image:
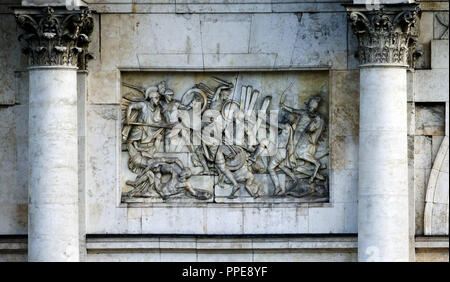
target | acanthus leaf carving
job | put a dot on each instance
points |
(55, 38)
(387, 36)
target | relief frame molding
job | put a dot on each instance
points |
(118, 188)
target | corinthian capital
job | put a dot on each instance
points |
(388, 35)
(56, 38)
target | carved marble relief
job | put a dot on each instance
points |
(225, 137)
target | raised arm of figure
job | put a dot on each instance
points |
(134, 106)
(290, 109)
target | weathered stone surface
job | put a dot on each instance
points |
(410, 85)
(384, 2)
(439, 54)
(411, 119)
(213, 6)
(201, 47)
(302, 256)
(330, 220)
(295, 220)
(351, 218)
(422, 152)
(436, 142)
(420, 181)
(344, 107)
(344, 183)
(13, 160)
(175, 216)
(170, 61)
(104, 87)
(269, 30)
(216, 32)
(239, 61)
(447, 119)
(439, 255)
(436, 216)
(431, 85)
(425, 38)
(127, 37)
(352, 52)
(52, 2)
(441, 25)
(102, 171)
(9, 60)
(215, 222)
(148, 256)
(430, 119)
(256, 249)
(344, 152)
(311, 46)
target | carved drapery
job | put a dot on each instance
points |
(56, 38)
(387, 36)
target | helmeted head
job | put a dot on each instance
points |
(162, 87)
(313, 104)
(168, 95)
(154, 97)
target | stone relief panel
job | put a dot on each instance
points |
(224, 137)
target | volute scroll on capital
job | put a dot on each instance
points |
(387, 35)
(56, 38)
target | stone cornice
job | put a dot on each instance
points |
(388, 35)
(56, 38)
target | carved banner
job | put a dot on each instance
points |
(225, 137)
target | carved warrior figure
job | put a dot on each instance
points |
(171, 110)
(152, 119)
(281, 159)
(143, 131)
(299, 132)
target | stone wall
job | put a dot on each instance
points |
(209, 36)
(276, 41)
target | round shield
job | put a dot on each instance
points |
(239, 159)
(192, 94)
(228, 109)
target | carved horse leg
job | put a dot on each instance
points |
(274, 177)
(317, 164)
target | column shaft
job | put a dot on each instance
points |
(383, 165)
(387, 38)
(56, 42)
(53, 180)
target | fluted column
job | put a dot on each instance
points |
(56, 44)
(387, 47)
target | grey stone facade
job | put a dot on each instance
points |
(269, 43)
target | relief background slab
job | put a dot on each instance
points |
(299, 86)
